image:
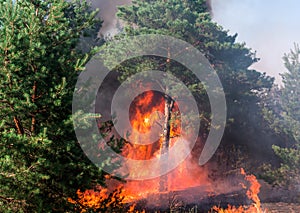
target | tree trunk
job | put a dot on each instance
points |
(169, 103)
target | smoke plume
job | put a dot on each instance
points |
(108, 9)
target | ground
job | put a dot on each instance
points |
(281, 207)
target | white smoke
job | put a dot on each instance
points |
(108, 9)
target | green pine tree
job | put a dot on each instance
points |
(41, 163)
(284, 117)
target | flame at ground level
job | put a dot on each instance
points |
(99, 199)
(252, 194)
(185, 176)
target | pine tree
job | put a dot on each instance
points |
(41, 162)
(291, 92)
(284, 117)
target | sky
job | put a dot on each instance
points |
(269, 27)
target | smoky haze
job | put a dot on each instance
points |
(108, 9)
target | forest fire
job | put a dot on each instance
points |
(147, 113)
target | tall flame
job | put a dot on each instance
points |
(146, 111)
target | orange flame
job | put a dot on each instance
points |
(146, 111)
(98, 199)
(90, 198)
(252, 193)
(254, 189)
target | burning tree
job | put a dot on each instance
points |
(191, 21)
(150, 109)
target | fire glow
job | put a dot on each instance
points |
(147, 111)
